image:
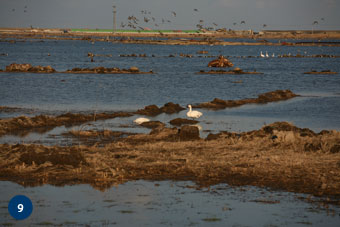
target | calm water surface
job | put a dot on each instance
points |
(165, 203)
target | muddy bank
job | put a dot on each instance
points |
(153, 110)
(272, 96)
(28, 68)
(321, 72)
(23, 124)
(279, 156)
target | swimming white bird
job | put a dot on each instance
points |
(262, 55)
(273, 55)
(141, 120)
(267, 56)
(193, 114)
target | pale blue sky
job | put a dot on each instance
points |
(276, 14)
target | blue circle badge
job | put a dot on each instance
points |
(20, 207)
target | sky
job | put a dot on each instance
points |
(256, 14)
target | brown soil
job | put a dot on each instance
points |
(279, 156)
(272, 96)
(22, 125)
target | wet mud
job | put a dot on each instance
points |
(272, 96)
(279, 156)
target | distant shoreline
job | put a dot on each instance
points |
(177, 37)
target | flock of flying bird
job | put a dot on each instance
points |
(135, 23)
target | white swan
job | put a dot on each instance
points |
(267, 56)
(141, 120)
(262, 55)
(193, 114)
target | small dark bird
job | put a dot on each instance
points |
(215, 24)
(169, 21)
(234, 23)
(146, 20)
(243, 22)
(201, 21)
(13, 10)
(315, 22)
(153, 19)
(322, 19)
(174, 13)
(264, 25)
(196, 10)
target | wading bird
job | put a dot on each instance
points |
(193, 113)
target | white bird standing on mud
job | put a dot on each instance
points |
(262, 55)
(193, 114)
(267, 55)
(141, 120)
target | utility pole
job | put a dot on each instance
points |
(114, 19)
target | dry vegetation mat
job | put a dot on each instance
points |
(23, 124)
(279, 156)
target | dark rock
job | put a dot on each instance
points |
(151, 110)
(152, 124)
(182, 121)
(189, 133)
(171, 108)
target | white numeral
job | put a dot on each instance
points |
(20, 208)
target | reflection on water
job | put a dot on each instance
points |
(167, 203)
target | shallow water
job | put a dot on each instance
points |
(175, 80)
(166, 203)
